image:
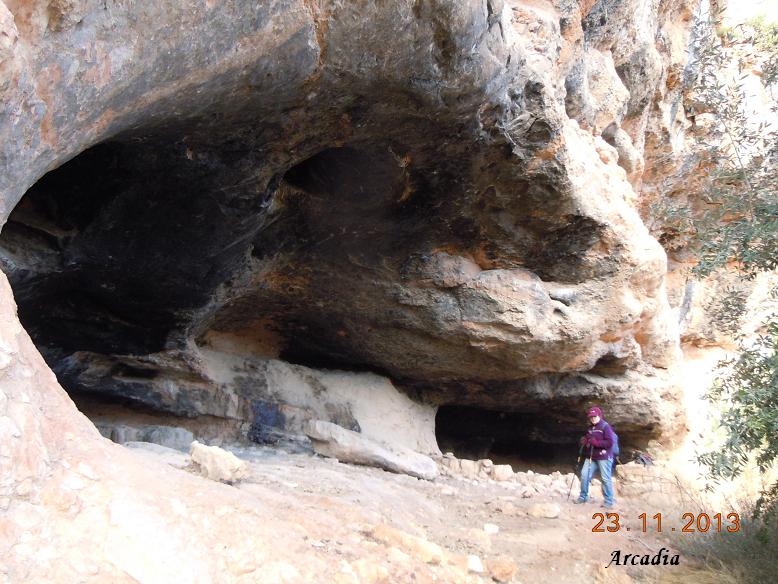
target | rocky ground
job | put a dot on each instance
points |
(374, 526)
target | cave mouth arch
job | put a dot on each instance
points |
(115, 250)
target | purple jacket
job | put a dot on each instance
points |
(599, 441)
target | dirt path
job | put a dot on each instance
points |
(343, 509)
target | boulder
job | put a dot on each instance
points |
(217, 464)
(331, 440)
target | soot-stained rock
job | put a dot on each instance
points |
(267, 423)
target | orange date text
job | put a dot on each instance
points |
(689, 523)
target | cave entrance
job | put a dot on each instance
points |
(526, 441)
(155, 274)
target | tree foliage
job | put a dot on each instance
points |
(739, 223)
(766, 39)
(748, 389)
(737, 228)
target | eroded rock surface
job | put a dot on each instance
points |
(442, 192)
(416, 188)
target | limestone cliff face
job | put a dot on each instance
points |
(442, 192)
(681, 173)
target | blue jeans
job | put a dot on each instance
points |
(587, 472)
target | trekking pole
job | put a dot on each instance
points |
(577, 463)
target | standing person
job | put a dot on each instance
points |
(597, 447)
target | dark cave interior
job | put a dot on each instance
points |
(518, 439)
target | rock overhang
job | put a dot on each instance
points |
(421, 208)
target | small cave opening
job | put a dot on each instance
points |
(524, 440)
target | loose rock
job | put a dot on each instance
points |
(475, 565)
(502, 472)
(502, 568)
(468, 468)
(331, 440)
(217, 464)
(491, 528)
(423, 549)
(547, 510)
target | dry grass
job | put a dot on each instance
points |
(749, 556)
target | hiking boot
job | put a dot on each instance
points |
(579, 501)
